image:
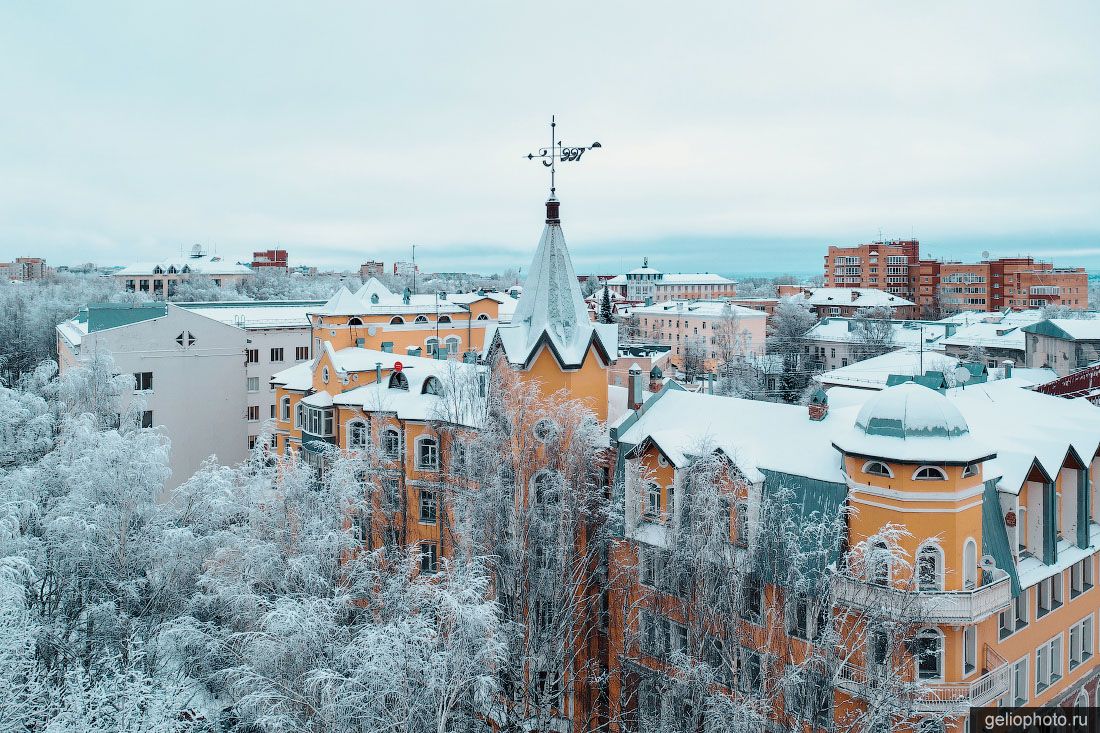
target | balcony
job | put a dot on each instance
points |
(930, 696)
(942, 607)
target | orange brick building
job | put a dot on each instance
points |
(936, 286)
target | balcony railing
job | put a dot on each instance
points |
(945, 607)
(930, 696)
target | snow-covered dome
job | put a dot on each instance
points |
(912, 423)
(911, 410)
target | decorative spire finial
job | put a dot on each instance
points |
(551, 155)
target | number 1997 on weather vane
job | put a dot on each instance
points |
(557, 151)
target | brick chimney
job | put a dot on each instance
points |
(818, 406)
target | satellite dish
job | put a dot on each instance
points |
(962, 374)
(987, 562)
(985, 254)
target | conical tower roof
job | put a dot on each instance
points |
(551, 307)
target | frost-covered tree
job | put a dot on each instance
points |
(693, 361)
(872, 332)
(787, 328)
(976, 353)
(736, 626)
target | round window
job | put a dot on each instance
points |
(545, 430)
(324, 375)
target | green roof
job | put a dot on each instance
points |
(101, 316)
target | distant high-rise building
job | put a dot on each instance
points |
(271, 258)
(404, 269)
(938, 286)
(24, 268)
(371, 268)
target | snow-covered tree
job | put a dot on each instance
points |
(787, 328)
(872, 332)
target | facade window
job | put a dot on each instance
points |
(318, 421)
(147, 418)
(421, 319)
(251, 442)
(355, 322)
(397, 321)
(429, 557)
(653, 501)
(443, 319)
(460, 458)
(186, 338)
(301, 353)
(970, 649)
(877, 468)
(253, 384)
(391, 443)
(1080, 642)
(741, 524)
(431, 347)
(970, 470)
(751, 672)
(928, 652)
(427, 454)
(929, 473)
(358, 434)
(299, 413)
(252, 356)
(930, 568)
(143, 381)
(1080, 577)
(452, 343)
(878, 563)
(545, 490)
(428, 507)
(284, 409)
(253, 413)
(1048, 595)
(1020, 686)
(483, 317)
(1048, 664)
(752, 597)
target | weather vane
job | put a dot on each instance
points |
(557, 151)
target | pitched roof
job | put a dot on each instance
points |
(552, 310)
(854, 297)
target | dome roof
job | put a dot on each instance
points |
(909, 422)
(911, 410)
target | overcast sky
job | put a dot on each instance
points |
(736, 136)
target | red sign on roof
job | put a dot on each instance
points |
(398, 366)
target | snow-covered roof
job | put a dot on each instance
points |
(911, 422)
(414, 403)
(693, 278)
(753, 434)
(988, 335)
(257, 314)
(905, 333)
(205, 265)
(644, 271)
(551, 310)
(346, 303)
(873, 373)
(342, 303)
(1006, 317)
(1078, 329)
(699, 309)
(298, 377)
(373, 286)
(1001, 417)
(853, 297)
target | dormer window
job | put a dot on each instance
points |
(432, 385)
(158, 270)
(399, 381)
(172, 269)
(929, 473)
(185, 269)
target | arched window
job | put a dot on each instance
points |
(452, 343)
(1082, 700)
(877, 468)
(970, 564)
(929, 473)
(971, 470)
(431, 347)
(878, 563)
(483, 317)
(399, 381)
(298, 410)
(443, 319)
(355, 322)
(930, 725)
(391, 443)
(928, 654)
(284, 409)
(358, 434)
(930, 568)
(427, 454)
(421, 319)
(397, 321)
(432, 386)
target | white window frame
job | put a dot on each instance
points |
(941, 475)
(937, 551)
(252, 384)
(1049, 655)
(420, 464)
(869, 464)
(386, 432)
(1086, 627)
(354, 425)
(928, 632)
(1014, 691)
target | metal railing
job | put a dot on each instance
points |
(949, 607)
(929, 695)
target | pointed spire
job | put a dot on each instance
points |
(552, 299)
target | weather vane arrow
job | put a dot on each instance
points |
(558, 152)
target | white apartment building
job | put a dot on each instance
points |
(160, 279)
(203, 369)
